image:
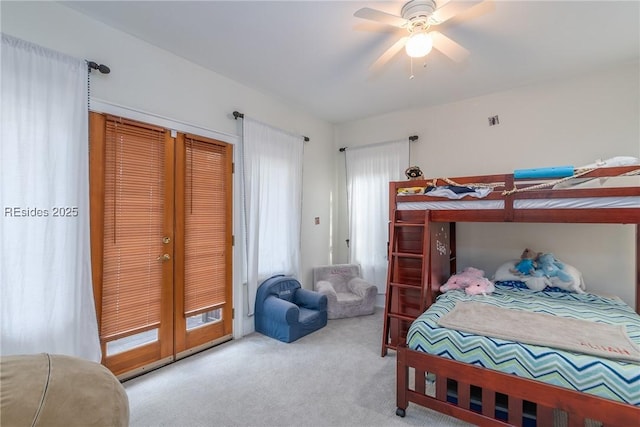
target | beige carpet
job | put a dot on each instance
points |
(333, 377)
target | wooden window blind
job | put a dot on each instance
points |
(133, 221)
(206, 224)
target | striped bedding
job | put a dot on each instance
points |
(611, 379)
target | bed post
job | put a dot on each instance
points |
(452, 249)
(402, 380)
(638, 268)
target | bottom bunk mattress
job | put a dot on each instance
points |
(604, 377)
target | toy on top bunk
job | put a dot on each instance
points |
(409, 191)
(471, 280)
(413, 173)
(538, 271)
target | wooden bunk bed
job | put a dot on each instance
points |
(422, 255)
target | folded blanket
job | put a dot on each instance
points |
(580, 336)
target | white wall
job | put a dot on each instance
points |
(568, 122)
(146, 78)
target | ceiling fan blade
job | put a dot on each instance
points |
(388, 54)
(476, 11)
(451, 9)
(380, 16)
(373, 27)
(448, 47)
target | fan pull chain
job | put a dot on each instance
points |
(411, 77)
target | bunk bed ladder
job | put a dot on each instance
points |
(407, 293)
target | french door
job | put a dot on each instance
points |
(161, 242)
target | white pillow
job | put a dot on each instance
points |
(503, 273)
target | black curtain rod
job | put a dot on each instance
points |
(237, 115)
(412, 138)
(100, 67)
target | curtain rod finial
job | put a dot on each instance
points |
(100, 67)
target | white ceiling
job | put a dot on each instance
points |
(315, 55)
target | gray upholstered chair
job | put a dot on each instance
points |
(348, 295)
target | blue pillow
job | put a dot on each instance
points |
(556, 289)
(517, 284)
(512, 284)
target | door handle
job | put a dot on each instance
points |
(165, 257)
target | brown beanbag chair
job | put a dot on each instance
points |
(56, 390)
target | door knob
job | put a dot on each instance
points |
(165, 257)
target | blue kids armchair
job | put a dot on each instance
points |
(286, 312)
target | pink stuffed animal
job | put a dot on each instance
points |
(479, 286)
(462, 279)
(472, 280)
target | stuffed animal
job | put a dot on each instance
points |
(463, 279)
(549, 266)
(479, 286)
(527, 264)
(413, 173)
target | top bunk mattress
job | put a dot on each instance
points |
(607, 378)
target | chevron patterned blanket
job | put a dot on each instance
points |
(612, 379)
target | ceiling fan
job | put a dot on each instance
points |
(418, 17)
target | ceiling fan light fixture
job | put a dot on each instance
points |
(419, 45)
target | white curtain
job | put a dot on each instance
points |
(369, 171)
(272, 173)
(45, 270)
